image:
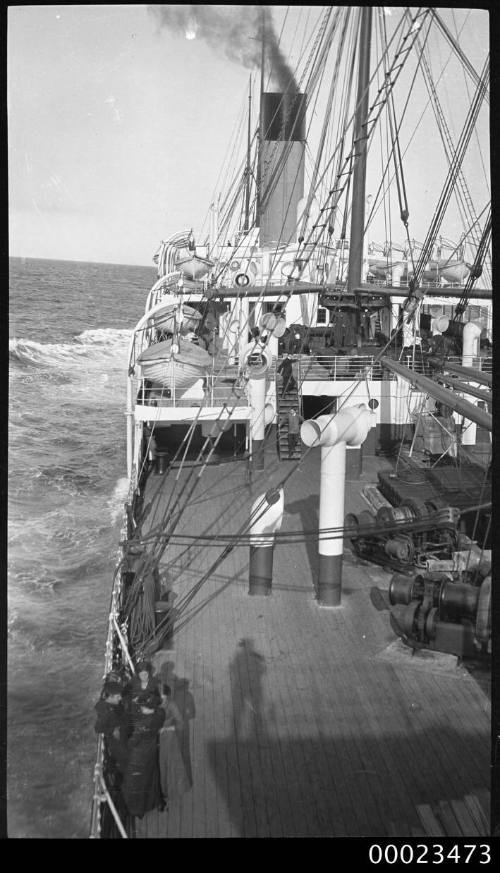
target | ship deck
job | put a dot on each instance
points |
(305, 721)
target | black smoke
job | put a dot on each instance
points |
(235, 31)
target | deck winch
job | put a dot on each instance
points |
(400, 537)
(432, 611)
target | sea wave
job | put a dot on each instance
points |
(90, 344)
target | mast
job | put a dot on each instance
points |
(261, 134)
(247, 187)
(360, 150)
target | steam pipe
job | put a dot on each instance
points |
(332, 434)
(268, 511)
(449, 398)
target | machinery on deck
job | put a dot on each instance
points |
(440, 598)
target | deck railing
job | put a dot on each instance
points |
(213, 395)
(307, 367)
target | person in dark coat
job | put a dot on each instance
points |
(142, 682)
(112, 722)
(141, 783)
(294, 420)
(286, 370)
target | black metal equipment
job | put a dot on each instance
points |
(405, 536)
(433, 611)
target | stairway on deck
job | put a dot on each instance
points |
(289, 401)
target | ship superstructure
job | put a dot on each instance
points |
(291, 312)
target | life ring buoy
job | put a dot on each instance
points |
(242, 280)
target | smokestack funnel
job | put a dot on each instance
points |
(282, 148)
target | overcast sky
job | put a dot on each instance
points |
(117, 130)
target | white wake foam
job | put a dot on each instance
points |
(117, 499)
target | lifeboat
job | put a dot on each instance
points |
(176, 366)
(167, 318)
(194, 267)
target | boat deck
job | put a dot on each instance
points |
(306, 721)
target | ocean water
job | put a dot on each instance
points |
(69, 327)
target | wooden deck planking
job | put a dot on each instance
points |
(306, 669)
(306, 662)
(307, 762)
(354, 757)
(445, 702)
(427, 784)
(470, 742)
(313, 730)
(385, 736)
(227, 760)
(477, 813)
(449, 819)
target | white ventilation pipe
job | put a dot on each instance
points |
(267, 512)
(470, 343)
(350, 426)
(439, 324)
(397, 274)
(269, 413)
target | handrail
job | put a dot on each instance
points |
(114, 637)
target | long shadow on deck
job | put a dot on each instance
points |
(298, 778)
(326, 787)
(307, 510)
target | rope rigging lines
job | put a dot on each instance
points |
(336, 171)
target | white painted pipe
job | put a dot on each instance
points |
(267, 515)
(257, 392)
(350, 425)
(267, 518)
(439, 324)
(272, 345)
(257, 397)
(269, 413)
(397, 273)
(332, 434)
(470, 342)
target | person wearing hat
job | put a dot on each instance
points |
(141, 683)
(286, 370)
(294, 420)
(112, 722)
(141, 783)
